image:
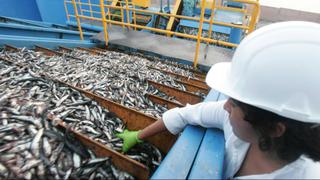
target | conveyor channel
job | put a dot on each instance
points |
(132, 117)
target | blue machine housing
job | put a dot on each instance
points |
(226, 16)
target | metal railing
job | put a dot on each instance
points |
(102, 13)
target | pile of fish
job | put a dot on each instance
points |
(31, 147)
(214, 35)
(113, 75)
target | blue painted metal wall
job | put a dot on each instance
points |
(26, 9)
(39, 10)
(52, 11)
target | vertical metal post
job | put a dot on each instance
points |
(78, 19)
(134, 16)
(195, 61)
(80, 7)
(104, 21)
(122, 17)
(127, 12)
(254, 17)
(66, 9)
(210, 29)
(90, 7)
(109, 13)
(211, 18)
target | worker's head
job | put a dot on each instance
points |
(273, 79)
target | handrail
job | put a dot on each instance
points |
(129, 7)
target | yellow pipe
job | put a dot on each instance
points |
(127, 11)
(195, 61)
(122, 18)
(175, 11)
(231, 9)
(104, 22)
(78, 19)
(109, 15)
(79, 2)
(166, 32)
(187, 17)
(66, 9)
(190, 18)
(211, 19)
(114, 2)
(179, 16)
(96, 12)
(255, 13)
(134, 17)
(90, 7)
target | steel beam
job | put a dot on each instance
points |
(182, 96)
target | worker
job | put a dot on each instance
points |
(271, 121)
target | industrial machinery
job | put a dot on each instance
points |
(226, 12)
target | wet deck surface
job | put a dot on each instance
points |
(166, 46)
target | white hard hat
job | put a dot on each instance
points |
(276, 68)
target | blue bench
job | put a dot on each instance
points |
(197, 154)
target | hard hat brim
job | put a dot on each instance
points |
(218, 77)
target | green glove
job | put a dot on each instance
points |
(130, 138)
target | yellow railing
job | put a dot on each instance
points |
(252, 11)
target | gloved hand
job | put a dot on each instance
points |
(130, 138)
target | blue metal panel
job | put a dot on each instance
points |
(32, 23)
(22, 30)
(125, 16)
(178, 161)
(26, 9)
(150, 23)
(215, 28)
(206, 11)
(235, 35)
(209, 161)
(52, 11)
(235, 4)
(228, 16)
(86, 26)
(29, 42)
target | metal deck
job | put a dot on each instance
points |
(166, 46)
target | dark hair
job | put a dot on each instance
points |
(299, 137)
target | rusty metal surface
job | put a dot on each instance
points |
(134, 120)
(10, 48)
(64, 49)
(88, 50)
(199, 75)
(193, 88)
(162, 101)
(47, 51)
(99, 49)
(182, 96)
(197, 82)
(121, 161)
